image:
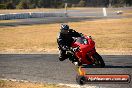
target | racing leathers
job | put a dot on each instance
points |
(64, 41)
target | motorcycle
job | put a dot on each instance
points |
(84, 53)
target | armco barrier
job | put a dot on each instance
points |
(30, 15)
(21, 15)
(42, 15)
(14, 16)
(2, 16)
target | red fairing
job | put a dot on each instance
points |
(86, 50)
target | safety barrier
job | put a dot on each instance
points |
(30, 15)
(42, 15)
(14, 16)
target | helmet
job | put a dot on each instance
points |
(64, 27)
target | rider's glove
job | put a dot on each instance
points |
(65, 48)
(75, 49)
(81, 35)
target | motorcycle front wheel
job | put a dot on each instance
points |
(99, 62)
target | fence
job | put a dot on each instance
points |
(30, 15)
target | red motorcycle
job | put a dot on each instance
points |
(83, 49)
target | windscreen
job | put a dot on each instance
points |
(82, 40)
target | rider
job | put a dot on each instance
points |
(65, 39)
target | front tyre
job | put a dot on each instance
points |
(99, 62)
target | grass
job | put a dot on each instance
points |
(112, 35)
(128, 13)
(7, 21)
(109, 34)
(13, 84)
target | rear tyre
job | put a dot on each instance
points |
(99, 62)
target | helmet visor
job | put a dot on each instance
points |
(64, 31)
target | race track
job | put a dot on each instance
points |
(75, 15)
(47, 68)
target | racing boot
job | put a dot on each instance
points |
(75, 63)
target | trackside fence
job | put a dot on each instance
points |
(30, 15)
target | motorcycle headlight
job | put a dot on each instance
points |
(85, 41)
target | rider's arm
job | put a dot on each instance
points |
(61, 43)
(75, 34)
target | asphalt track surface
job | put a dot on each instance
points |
(46, 68)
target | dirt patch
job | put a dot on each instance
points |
(22, 84)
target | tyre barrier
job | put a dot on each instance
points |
(30, 15)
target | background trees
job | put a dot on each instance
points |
(24, 4)
(29, 4)
(82, 3)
